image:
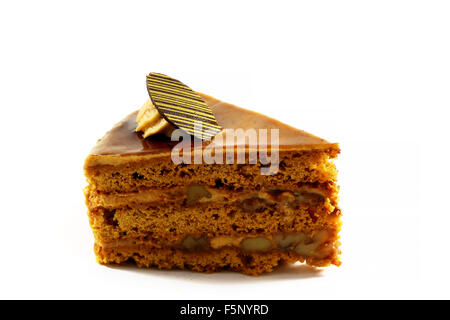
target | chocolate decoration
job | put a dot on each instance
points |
(181, 106)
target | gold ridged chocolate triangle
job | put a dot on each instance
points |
(182, 106)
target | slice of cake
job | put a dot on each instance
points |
(206, 217)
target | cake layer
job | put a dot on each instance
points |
(232, 259)
(169, 225)
(295, 168)
(319, 244)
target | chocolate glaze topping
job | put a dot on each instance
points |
(124, 140)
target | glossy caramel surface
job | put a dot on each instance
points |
(124, 140)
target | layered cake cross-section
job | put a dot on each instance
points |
(207, 217)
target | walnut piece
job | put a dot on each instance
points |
(259, 244)
(253, 204)
(195, 193)
(219, 242)
(291, 239)
(310, 247)
(194, 244)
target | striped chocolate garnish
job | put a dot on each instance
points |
(182, 106)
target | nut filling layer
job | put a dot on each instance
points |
(250, 201)
(286, 201)
(317, 246)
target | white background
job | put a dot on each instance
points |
(371, 75)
